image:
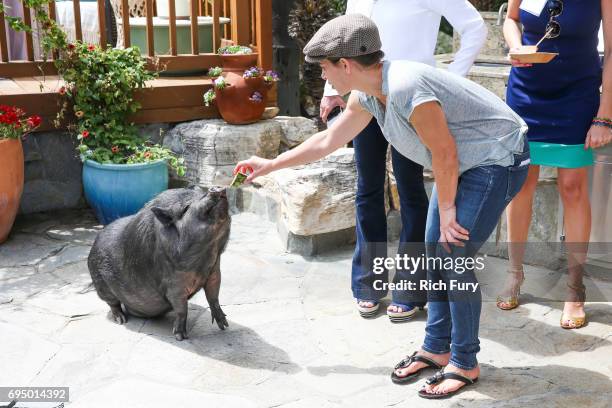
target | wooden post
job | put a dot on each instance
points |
(172, 26)
(102, 23)
(227, 12)
(240, 11)
(76, 6)
(150, 42)
(125, 18)
(264, 33)
(28, 20)
(53, 17)
(195, 48)
(253, 20)
(3, 42)
(216, 13)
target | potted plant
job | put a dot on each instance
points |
(237, 58)
(241, 99)
(13, 126)
(121, 171)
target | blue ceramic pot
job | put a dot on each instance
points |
(119, 190)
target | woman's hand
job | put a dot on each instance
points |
(328, 103)
(598, 136)
(450, 230)
(254, 167)
(516, 63)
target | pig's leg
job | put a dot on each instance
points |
(107, 295)
(211, 288)
(178, 299)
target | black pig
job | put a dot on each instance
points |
(154, 261)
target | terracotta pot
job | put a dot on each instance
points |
(233, 101)
(11, 183)
(238, 62)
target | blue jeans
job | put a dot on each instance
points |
(453, 315)
(371, 223)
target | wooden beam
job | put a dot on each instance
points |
(53, 17)
(125, 18)
(76, 6)
(17, 69)
(27, 19)
(174, 115)
(172, 26)
(264, 33)
(4, 57)
(168, 93)
(150, 41)
(240, 12)
(216, 13)
(195, 47)
(227, 12)
(187, 62)
(102, 23)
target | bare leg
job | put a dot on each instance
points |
(518, 215)
(573, 188)
(211, 288)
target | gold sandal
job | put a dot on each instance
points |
(512, 301)
(573, 322)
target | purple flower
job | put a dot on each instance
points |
(271, 76)
(220, 83)
(252, 72)
(256, 97)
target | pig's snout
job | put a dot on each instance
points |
(218, 191)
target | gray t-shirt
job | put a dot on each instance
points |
(485, 129)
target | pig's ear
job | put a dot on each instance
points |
(163, 215)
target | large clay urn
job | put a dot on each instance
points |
(11, 183)
(235, 102)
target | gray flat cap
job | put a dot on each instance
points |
(351, 35)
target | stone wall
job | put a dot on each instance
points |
(52, 173)
(312, 205)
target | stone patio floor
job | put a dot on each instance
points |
(295, 338)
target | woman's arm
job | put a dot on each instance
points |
(600, 136)
(430, 123)
(467, 21)
(512, 30)
(345, 129)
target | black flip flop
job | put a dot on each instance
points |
(441, 376)
(409, 360)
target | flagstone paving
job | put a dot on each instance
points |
(294, 340)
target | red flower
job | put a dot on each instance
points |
(85, 134)
(71, 46)
(62, 90)
(34, 121)
(147, 155)
(91, 47)
(115, 149)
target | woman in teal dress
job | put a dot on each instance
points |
(560, 101)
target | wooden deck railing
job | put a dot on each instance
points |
(250, 24)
